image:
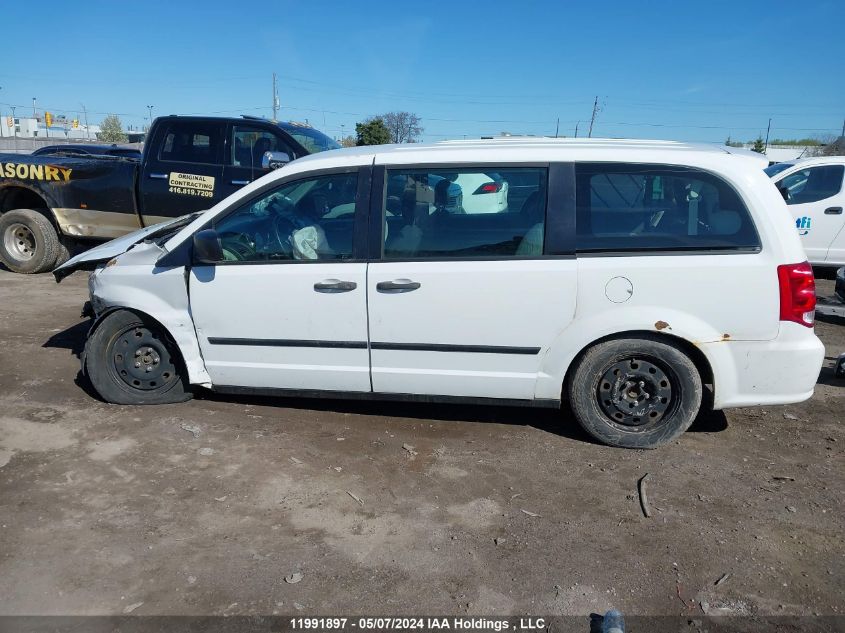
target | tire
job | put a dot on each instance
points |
(129, 359)
(635, 393)
(64, 252)
(28, 241)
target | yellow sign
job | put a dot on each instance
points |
(191, 184)
(34, 172)
(75, 123)
(10, 121)
(48, 119)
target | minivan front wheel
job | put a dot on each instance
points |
(635, 393)
(130, 360)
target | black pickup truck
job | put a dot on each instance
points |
(51, 205)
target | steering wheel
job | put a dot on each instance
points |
(237, 249)
(283, 228)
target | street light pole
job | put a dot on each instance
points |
(150, 108)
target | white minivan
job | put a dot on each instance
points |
(813, 190)
(637, 280)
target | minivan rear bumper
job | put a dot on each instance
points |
(780, 371)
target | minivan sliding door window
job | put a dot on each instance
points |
(464, 212)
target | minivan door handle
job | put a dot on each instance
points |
(334, 286)
(397, 285)
(159, 176)
(833, 211)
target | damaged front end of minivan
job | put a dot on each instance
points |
(126, 275)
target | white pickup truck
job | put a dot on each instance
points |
(813, 190)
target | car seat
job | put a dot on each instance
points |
(533, 215)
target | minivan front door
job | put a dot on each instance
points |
(287, 309)
(464, 303)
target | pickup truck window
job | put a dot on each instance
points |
(249, 144)
(189, 142)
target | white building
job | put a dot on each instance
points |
(32, 127)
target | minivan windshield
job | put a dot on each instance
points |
(312, 140)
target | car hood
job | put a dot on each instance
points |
(104, 252)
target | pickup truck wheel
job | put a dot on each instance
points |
(28, 241)
(63, 252)
(130, 360)
(635, 393)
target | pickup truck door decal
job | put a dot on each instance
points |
(191, 184)
(35, 172)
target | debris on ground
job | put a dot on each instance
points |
(356, 497)
(782, 478)
(790, 416)
(722, 579)
(296, 461)
(294, 578)
(206, 451)
(130, 608)
(644, 496)
(338, 468)
(791, 509)
(410, 450)
(193, 429)
(531, 514)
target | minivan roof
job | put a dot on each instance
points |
(527, 149)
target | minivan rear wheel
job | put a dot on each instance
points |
(130, 360)
(635, 393)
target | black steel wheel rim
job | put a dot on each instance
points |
(637, 393)
(140, 360)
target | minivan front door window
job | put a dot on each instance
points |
(309, 219)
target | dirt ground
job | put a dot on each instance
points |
(206, 507)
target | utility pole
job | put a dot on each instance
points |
(557, 127)
(276, 98)
(768, 129)
(87, 129)
(593, 118)
(577, 123)
(843, 128)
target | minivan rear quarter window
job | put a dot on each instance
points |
(633, 207)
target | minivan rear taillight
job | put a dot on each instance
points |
(797, 293)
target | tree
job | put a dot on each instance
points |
(758, 146)
(111, 130)
(349, 141)
(372, 132)
(404, 126)
(830, 146)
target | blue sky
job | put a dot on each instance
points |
(696, 71)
